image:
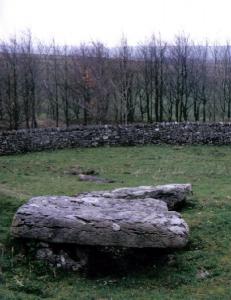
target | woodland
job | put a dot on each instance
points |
(50, 85)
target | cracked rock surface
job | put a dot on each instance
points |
(127, 217)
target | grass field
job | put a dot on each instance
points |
(208, 168)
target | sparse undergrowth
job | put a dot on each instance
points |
(201, 271)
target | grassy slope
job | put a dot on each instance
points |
(208, 168)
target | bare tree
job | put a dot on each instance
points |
(123, 80)
(101, 81)
(9, 52)
(181, 63)
(226, 82)
(53, 63)
(64, 83)
(29, 79)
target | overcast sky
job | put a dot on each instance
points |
(76, 21)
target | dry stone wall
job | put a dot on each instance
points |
(92, 136)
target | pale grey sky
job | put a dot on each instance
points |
(75, 21)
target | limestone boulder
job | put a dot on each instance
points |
(128, 218)
(174, 195)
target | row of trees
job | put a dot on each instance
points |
(152, 82)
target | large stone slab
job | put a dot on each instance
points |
(103, 220)
(173, 194)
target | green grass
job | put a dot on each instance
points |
(208, 168)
